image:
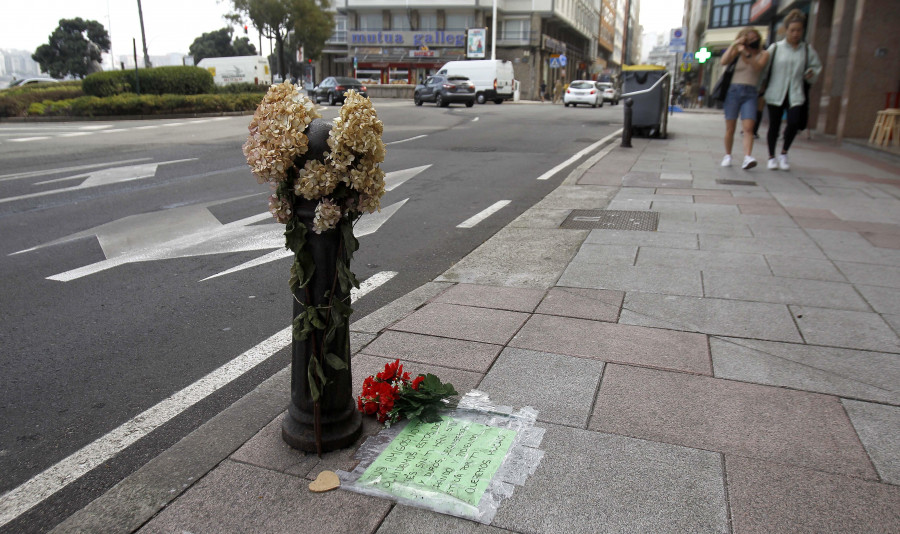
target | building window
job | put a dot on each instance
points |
(427, 21)
(340, 30)
(457, 21)
(515, 30)
(726, 13)
(400, 22)
(371, 21)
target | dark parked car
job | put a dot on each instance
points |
(332, 89)
(444, 89)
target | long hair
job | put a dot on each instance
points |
(794, 15)
(747, 31)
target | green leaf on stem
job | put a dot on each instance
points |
(335, 362)
(294, 235)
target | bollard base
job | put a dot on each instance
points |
(298, 429)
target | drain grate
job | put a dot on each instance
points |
(721, 181)
(645, 221)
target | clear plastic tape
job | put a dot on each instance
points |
(520, 461)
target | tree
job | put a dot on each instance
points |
(310, 21)
(75, 48)
(219, 44)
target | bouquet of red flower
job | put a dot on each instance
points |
(391, 395)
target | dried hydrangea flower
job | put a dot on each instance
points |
(280, 208)
(277, 132)
(328, 214)
(316, 180)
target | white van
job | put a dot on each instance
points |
(238, 69)
(493, 78)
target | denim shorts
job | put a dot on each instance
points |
(741, 98)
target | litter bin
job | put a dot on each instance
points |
(649, 118)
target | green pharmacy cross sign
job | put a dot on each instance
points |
(702, 55)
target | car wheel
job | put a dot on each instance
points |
(595, 105)
(480, 98)
(470, 103)
(417, 99)
(566, 104)
(331, 100)
(439, 101)
(498, 101)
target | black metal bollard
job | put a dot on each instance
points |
(626, 128)
(340, 421)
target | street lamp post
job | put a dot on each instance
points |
(143, 37)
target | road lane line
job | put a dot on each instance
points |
(477, 218)
(26, 139)
(29, 174)
(34, 491)
(74, 134)
(549, 174)
(405, 140)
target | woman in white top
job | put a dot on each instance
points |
(742, 93)
(794, 64)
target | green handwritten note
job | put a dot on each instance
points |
(452, 457)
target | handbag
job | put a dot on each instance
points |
(721, 88)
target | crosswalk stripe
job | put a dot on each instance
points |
(484, 214)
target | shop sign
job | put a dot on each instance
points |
(424, 53)
(553, 45)
(408, 38)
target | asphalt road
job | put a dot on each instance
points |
(136, 258)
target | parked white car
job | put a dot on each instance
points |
(609, 92)
(493, 78)
(583, 92)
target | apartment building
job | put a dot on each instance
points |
(392, 41)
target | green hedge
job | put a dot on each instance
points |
(243, 87)
(132, 104)
(14, 102)
(155, 81)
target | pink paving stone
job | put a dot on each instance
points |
(876, 228)
(824, 224)
(748, 209)
(695, 192)
(594, 304)
(883, 240)
(446, 352)
(501, 298)
(609, 342)
(463, 322)
(811, 213)
(768, 497)
(757, 421)
(739, 201)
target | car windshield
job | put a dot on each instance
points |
(457, 79)
(581, 85)
(604, 85)
(347, 80)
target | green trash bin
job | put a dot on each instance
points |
(648, 115)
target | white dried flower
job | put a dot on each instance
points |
(328, 214)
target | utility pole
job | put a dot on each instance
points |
(494, 32)
(143, 36)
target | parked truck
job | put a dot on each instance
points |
(238, 69)
(493, 78)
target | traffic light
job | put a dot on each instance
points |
(245, 29)
(702, 55)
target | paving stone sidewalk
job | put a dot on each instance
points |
(735, 370)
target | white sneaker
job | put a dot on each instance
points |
(749, 162)
(773, 164)
(783, 162)
(726, 161)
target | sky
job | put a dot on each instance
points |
(172, 25)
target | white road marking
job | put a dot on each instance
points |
(19, 175)
(26, 139)
(95, 127)
(405, 140)
(74, 134)
(34, 491)
(549, 174)
(475, 119)
(146, 127)
(115, 130)
(395, 179)
(477, 218)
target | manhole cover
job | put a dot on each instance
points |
(645, 221)
(735, 182)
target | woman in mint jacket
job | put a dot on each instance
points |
(793, 65)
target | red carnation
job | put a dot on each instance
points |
(419, 379)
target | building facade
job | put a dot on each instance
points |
(394, 42)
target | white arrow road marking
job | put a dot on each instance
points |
(102, 177)
(35, 490)
(393, 180)
(29, 174)
(367, 224)
(484, 214)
